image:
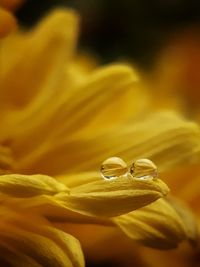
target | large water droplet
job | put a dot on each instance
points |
(113, 167)
(144, 169)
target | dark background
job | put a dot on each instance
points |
(112, 29)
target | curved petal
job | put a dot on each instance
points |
(165, 138)
(11, 257)
(17, 185)
(72, 115)
(98, 198)
(7, 22)
(190, 222)
(111, 198)
(157, 225)
(37, 242)
(40, 59)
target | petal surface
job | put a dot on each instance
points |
(157, 225)
(110, 198)
(165, 138)
(34, 242)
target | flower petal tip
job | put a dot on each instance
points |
(156, 225)
(105, 198)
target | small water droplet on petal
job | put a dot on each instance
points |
(144, 169)
(113, 167)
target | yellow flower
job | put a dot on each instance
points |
(60, 118)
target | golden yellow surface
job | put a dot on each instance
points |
(61, 116)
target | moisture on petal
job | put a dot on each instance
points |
(111, 198)
(164, 137)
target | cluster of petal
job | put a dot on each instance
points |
(98, 199)
(59, 121)
(24, 224)
(35, 242)
(158, 222)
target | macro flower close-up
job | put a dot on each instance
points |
(93, 172)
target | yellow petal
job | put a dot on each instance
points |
(77, 179)
(6, 159)
(39, 57)
(97, 198)
(7, 22)
(17, 185)
(157, 225)
(163, 137)
(14, 258)
(41, 249)
(111, 198)
(33, 239)
(190, 222)
(51, 208)
(104, 85)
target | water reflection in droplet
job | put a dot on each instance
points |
(144, 169)
(113, 167)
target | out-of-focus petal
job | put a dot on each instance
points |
(157, 225)
(190, 222)
(17, 185)
(6, 160)
(11, 257)
(39, 60)
(35, 240)
(103, 85)
(10, 4)
(165, 138)
(7, 22)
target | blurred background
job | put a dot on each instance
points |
(161, 38)
(137, 29)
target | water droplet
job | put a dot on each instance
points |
(144, 169)
(113, 167)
